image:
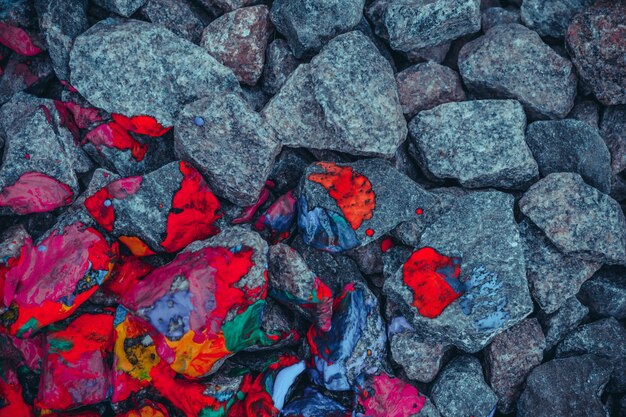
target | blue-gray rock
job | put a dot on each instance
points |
(121, 7)
(460, 390)
(310, 25)
(556, 325)
(479, 143)
(280, 62)
(519, 66)
(495, 16)
(613, 128)
(551, 18)
(24, 73)
(577, 218)
(344, 100)
(586, 111)
(605, 293)
(182, 17)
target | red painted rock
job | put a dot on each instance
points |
(11, 390)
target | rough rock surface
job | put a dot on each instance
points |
(344, 100)
(571, 146)
(153, 72)
(280, 62)
(509, 359)
(551, 18)
(596, 41)
(495, 16)
(424, 86)
(24, 73)
(556, 325)
(553, 277)
(577, 218)
(479, 143)
(605, 293)
(613, 128)
(121, 7)
(309, 26)
(521, 67)
(587, 111)
(229, 143)
(180, 16)
(557, 387)
(238, 40)
(460, 389)
(491, 292)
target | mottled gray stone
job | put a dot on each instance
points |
(509, 359)
(571, 146)
(288, 167)
(613, 128)
(24, 73)
(551, 18)
(121, 7)
(150, 71)
(344, 100)
(182, 17)
(556, 325)
(479, 228)
(495, 16)
(595, 40)
(60, 22)
(564, 387)
(310, 25)
(460, 389)
(586, 111)
(519, 66)
(368, 257)
(479, 143)
(553, 277)
(279, 64)
(434, 53)
(424, 86)
(605, 293)
(606, 338)
(219, 7)
(238, 40)
(233, 148)
(577, 218)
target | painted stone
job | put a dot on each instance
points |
(278, 220)
(11, 393)
(313, 404)
(22, 72)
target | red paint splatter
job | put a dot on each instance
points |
(419, 211)
(13, 404)
(27, 156)
(100, 205)
(83, 117)
(143, 125)
(352, 191)
(35, 192)
(425, 273)
(194, 210)
(112, 135)
(248, 212)
(369, 232)
(69, 87)
(386, 244)
(257, 401)
(18, 40)
(126, 274)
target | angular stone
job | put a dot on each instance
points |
(553, 277)
(280, 62)
(586, 111)
(606, 338)
(313, 404)
(613, 128)
(556, 325)
(483, 288)
(277, 321)
(288, 167)
(577, 218)
(343, 206)
(61, 21)
(520, 66)
(369, 258)
(238, 40)
(460, 389)
(434, 53)
(229, 143)
(345, 100)
(596, 41)
(605, 293)
(121, 7)
(509, 359)
(551, 18)
(424, 86)
(308, 27)
(479, 143)
(150, 72)
(571, 146)
(182, 17)
(558, 387)
(495, 16)
(24, 73)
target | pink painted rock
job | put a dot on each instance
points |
(238, 40)
(427, 85)
(23, 72)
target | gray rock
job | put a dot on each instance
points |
(613, 130)
(238, 40)
(479, 143)
(434, 53)
(369, 258)
(150, 72)
(460, 390)
(595, 40)
(553, 277)
(255, 96)
(287, 170)
(605, 293)
(280, 62)
(495, 16)
(121, 7)
(571, 146)
(343, 206)
(60, 22)
(551, 18)
(564, 387)
(233, 147)
(556, 325)
(219, 7)
(424, 86)
(586, 111)
(606, 338)
(309, 26)
(24, 73)
(344, 100)
(577, 218)
(393, 260)
(520, 66)
(509, 359)
(493, 294)
(182, 17)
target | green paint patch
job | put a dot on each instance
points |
(245, 329)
